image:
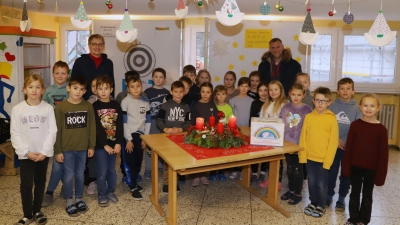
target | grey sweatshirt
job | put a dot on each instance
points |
(173, 114)
(346, 113)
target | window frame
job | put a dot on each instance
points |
(63, 43)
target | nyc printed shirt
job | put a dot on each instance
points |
(173, 114)
(76, 127)
(54, 94)
(109, 124)
(33, 129)
(137, 118)
(156, 98)
(293, 118)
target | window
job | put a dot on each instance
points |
(74, 43)
(194, 46)
(321, 58)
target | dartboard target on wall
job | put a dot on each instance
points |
(141, 59)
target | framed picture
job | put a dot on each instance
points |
(16, 14)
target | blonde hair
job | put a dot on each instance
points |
(278, 103)
(303, 74)
(30, 79)
(371, 95)
(199, 73)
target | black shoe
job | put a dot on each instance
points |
(165, 189)
(136, 194)
(139, 188)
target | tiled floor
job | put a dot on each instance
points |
(218, 203)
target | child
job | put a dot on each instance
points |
(173, 118)
(271, 109)
(224, 112)
(76, 138)
(205, 108)
(229, 83)
(319, 138)
(256, 105)
(187, 99)
(241, 109)
(293, 115)
(365, 159)
(54, 95)
(254, 81)
(137, 121)
(33, 133)
(203, 76)
(94, 97)
(109, 132)
(156, 95)
(346, 110)
(304, 79)
(190, 71)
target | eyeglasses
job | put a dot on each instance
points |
(97, 44)
(320, 101)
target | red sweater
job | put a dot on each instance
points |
(367, 147)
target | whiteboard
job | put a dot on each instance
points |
(158, 44)
(228, 52)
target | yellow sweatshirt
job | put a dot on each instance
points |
(319, 137)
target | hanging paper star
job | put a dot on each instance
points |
(296, 37)
(243, 73)
(287, 47)
(298, 59)
(216, 79)
(220, 47)
(255, 63)
(241, 57)
(235, 44)
(231, 66)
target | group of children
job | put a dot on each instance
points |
(332, 134)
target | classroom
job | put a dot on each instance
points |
(329, 40)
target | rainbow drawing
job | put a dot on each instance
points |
(267, 132)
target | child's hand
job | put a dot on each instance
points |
(143, 145)
(168, 130)
(117, 148)
(176, 130)
(60, 158)
(40, 157)
(341, 144)
(32, 156)
(90, 153)
(109, 149)
(129, 146)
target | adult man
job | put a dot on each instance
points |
(93, 64)
(277, 64)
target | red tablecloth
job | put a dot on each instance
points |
(206, 153)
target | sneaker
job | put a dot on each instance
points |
(139, 188)
(136, 194)
(253, 178)
(318, 212)
(147, 175)
(92, 189)
(196, 182)
(139, 179)
(340, 207)
(112, 197)
(294, 199)
(309, 209)
(165, 189)
(221, 176)
(213, 177)
(102, 201)
(204, 180)
(47, 200)
(265, 185)
(24, 221)
(261, 177)
(286, 196)
(233, 175)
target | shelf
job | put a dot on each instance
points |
(35, 67)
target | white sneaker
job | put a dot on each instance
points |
(92, 189)
(233, 175)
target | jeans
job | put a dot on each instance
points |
(295, 173)
(32, 173)
(344, 185)
(135, 158)
(106, 175)
(74, 167)
(361, 178)
(56, 175)
(317, 183)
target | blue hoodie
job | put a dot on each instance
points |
(346, 113)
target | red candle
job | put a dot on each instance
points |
(199, 123)
(220, 128)
(232, 122)
(211, 120)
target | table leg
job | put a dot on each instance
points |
(154, 184)
(245, 182)
(171, 219)
(272, 196)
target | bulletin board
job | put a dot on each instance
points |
(239, 48)
(157, 45)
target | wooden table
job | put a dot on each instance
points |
(179, 161)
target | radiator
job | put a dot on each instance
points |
(387, 116)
